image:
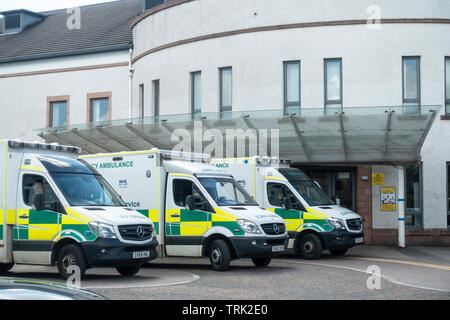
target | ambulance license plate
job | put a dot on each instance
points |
(359, 240)
(141, 254)
(277, 248)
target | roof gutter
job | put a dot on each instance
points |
(67, 53)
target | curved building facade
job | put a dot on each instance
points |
(210, 56)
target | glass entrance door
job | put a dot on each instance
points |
(337, 182)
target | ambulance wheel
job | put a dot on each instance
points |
(261, 262)
(5, 267)
(219, 255)
(71, 256)
(339, 252)
(129, 270)
(310, 247)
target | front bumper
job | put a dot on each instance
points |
(114, 253)
(341, 239)
(258, 247)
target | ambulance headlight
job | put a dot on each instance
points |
(336, 223)
(103, 230)
(248, 226)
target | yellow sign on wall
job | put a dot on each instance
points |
(378, 179)
(388, 199)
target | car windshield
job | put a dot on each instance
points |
(81, 189)
(307, 188)
(227, 192)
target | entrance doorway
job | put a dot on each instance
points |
(337, 182)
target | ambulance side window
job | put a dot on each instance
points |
(276, 192)
(182, 189)
(38, 194)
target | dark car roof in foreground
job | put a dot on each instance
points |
(28, 289)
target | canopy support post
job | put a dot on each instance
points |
(401, 206)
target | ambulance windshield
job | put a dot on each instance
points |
(227, 192)
(80, 184)
(306, 187)
(86, 190)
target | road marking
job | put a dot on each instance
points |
(363, 271)
(418, 264)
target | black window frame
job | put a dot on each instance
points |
(284, 188)
(285, 82)
(193, 185)
(46, 186)
(412, 102)
(446, 80)
(195, 112)
(222, 107)
(341, 87)
(8, 28)
(142, 100)
(51, 113)
(156, 84)
(91, 110)
(418, 215)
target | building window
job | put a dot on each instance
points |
(99, 107)
(57, 111)
(226, 92)
(156, 97)
(141, 101)
(292, 87)
(411, 84)
(333, 85)
(413, 217)
(12, 22)
(196, 94)
(447, 85)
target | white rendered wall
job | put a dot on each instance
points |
(372, 65)
(23, 99)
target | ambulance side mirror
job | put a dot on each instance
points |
(190, 203)
(292, 203)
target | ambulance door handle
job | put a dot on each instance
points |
(175, 216)
(24, 216)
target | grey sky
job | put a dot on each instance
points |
(44, 5)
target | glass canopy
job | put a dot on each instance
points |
(361, 135)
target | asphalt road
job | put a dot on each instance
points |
(414, 274)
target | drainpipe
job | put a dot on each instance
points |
(401, 206)
(130, 84)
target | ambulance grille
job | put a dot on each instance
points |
(274, 228)
(136, 232)
(354, 224)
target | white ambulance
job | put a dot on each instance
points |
(313, 220)
(56, 209)
(197, 210)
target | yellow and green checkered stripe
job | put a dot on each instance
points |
(298, 220)
(195, 223)
(51, 226)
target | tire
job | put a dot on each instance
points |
(219, 255)
(310, 247)
(71, 255)
(338, 252)
(128, 270)
(261, 262)
(5, 267)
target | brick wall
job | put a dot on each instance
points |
(364, 199)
